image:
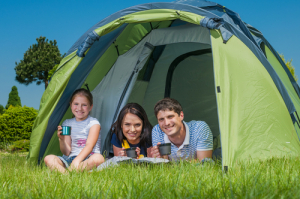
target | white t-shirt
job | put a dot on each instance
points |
(79, 134)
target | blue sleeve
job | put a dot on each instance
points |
(157, 136)
(115, 141)
(205, 140)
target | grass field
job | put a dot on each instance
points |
(276, 178)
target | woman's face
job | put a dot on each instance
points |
(132, 127)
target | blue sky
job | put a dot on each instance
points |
(65, 21)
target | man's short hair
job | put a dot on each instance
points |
(167, 104)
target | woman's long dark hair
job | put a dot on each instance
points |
(136, 109)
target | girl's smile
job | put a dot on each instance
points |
(80, 107)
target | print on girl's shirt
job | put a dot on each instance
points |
(81, 142)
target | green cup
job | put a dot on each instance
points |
(66, 130)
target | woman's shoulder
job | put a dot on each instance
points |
(115, 141)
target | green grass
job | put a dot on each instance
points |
(275, 178)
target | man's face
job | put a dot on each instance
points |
(170, 122)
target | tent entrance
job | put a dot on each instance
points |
(183, 71)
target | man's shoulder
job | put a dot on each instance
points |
(196, 123)
(197, 126)
(156, 128)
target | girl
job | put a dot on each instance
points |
(132, 129)
(82, 149)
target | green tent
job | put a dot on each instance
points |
(222, 70)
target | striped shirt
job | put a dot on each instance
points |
(79, 134)
(198, 138)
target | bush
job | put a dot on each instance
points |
(16, 123)
(1, 109)
(20, 146)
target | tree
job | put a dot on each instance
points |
(289, 66)
(51, 72)
(13, 98)
(37, 61)
(1, 109)
(16, 123)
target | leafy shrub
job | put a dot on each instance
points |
(3, 146)
(16, 123)
(1, 109)
(20, 146)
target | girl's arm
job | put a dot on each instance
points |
(64, 142)
(90, 144)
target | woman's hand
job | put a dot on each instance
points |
(138, 151)
(122, 152)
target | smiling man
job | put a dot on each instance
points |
(189, 140)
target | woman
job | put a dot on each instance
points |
(132, 129)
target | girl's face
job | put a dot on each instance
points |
(132, 127)
(80, 107)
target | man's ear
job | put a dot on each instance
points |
(181, 115)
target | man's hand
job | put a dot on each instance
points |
(155, 151)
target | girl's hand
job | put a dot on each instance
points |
(59, 131)
(138, 151)
(74, 165)
(122, 152)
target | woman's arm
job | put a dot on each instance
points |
(64, 142)
(90, 144)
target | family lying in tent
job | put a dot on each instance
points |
(189, 140)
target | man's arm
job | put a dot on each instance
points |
(205, 142)
(204, 154)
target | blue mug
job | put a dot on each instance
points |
(66, 130)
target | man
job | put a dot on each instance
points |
(189, 140)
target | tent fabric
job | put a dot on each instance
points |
(138, 8)
(260, 35)
(271, 129)
(87, 43)
(212, 23)
(257, 51)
